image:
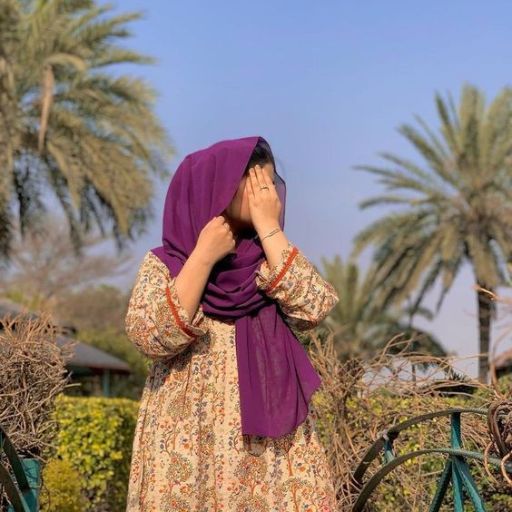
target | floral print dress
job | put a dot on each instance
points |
(188, 450)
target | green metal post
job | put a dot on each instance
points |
(442, 487)
(461, 476)
(389, 453)
(32, 469)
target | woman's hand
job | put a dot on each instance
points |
(215, 240)
(264, 204)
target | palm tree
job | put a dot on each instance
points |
(71, 127)
(362, 324)
(455, 207)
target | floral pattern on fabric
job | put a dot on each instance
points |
(303, 295)
(188, 450)
(156, 322)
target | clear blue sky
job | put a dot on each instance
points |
(327, 83)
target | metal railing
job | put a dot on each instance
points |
(456, 470)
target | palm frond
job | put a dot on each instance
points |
(92, 134)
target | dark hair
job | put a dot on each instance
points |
(261, 155)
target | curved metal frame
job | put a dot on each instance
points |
(456, 469)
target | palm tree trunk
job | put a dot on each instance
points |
(485, 309)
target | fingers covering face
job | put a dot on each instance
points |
(248, 184)
(258, 178)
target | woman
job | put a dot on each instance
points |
(225, 422)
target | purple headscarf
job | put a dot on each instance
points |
(276, 377)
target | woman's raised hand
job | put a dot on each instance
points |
(264, 204)
(215, 240)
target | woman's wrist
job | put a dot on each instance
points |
(270, 233)
(265, 229)
(273, 247)
(202, 259)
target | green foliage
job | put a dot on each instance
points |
(504, 385)
(68, 122)
(62, 489)
(95, 437)
(98, 313)
(118, 344)
(95, 307)
(363, 323)
(453, 205)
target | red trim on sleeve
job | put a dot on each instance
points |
(179, 321)
(279, 276)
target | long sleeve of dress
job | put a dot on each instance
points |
(156, 322)
(303, 295)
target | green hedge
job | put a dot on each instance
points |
(91, 462)
(95, 436)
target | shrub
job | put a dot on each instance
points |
(95, 436)
(62, 488)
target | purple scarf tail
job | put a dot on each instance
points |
(277, 377)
